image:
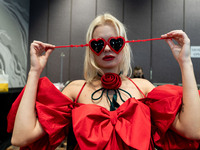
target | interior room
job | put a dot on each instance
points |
(65, 22)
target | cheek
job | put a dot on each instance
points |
(120, 56)
(96, 58)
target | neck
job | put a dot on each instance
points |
(113, 70)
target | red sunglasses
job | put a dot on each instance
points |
(116, 44)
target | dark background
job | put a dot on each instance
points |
(63, 22)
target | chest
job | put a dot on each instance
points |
(103, 97)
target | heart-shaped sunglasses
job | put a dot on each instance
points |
(116, 44)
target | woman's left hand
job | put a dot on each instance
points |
(186, 123)
(181, 50)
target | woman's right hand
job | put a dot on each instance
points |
(39, 53)
(27, 126)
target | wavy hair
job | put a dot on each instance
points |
(91, 70)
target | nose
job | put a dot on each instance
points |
(107, 48)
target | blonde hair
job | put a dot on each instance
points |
(91, 70)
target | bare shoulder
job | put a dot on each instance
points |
(73, 88)
(145, 85)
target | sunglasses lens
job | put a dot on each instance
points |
(116, 44)
(97, 46)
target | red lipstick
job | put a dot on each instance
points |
(108, 57)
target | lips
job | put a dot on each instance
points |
(108, 57)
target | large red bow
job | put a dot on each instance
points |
(128, 126)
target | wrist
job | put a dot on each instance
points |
(186, 64)
(34, 73)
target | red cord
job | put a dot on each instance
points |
(132, 41)
(145, 40)
(82, 45)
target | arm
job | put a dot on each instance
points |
(187, 122)
(27, 128)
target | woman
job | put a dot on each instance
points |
(108, 115)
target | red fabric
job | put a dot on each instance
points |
(117, 130)
(54, 113)
(164, 102)
(111, 81)
(129, 127)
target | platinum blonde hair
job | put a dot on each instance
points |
(91, 70)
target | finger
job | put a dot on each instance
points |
(48, 52)
(170, 43)
(175, 31)
(176, 34)
(44, 45)
(37, 45)
(35, 48)
(49, 46)
(179, 36)
(41, 47)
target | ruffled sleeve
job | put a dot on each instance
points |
(165, 102)
(54, 114)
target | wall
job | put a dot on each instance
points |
(14, 16)
(64, 22)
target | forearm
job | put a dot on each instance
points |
(189, 116)
(26, 121)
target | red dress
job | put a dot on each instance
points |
(136, 124)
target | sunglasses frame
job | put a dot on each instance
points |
(107, 43)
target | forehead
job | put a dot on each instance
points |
(104, 31)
